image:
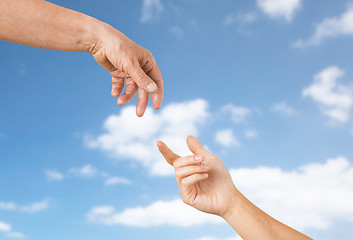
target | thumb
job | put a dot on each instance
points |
(194, 145)
(168, 154)
(140, 77)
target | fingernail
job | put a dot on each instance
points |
(203, 166)
(205, 174)
(198, 158)
(151, 87)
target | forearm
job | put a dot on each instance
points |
(42, 24)
(251, 223)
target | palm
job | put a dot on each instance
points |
(212, 194)
(207, 189)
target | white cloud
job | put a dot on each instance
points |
(16, 235)
(131, 138)
(226, 138)
(30, 208)
(229, 19)
(87, 171)
(116, 180)
(177, 31)
(215, 238)
(151, 10)
(310, 197)
(243, 18)
(160, 213)
(54, 175)
(247, 17)
(35, 207)
(9, 206)
(335, 99)
(283, 107)
(279, 8)
(5, 227)
(251, 134)
(238, 114)
(329, 28)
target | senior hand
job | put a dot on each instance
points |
(42, 24)
(127, 60)
(203, 180)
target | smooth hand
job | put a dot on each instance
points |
(129, 64)
(203, 180)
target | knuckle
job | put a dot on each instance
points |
(176, 163)
(148, 53)
(140, 78)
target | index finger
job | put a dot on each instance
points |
(168, 154)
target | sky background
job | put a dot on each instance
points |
(266, 85)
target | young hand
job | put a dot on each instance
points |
(204, 182)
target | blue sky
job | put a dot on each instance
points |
(265, 84)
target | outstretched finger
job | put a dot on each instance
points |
(168, 154)
(156, 76)
(141, 102)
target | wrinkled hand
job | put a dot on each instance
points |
(125, 60)
(204, 182)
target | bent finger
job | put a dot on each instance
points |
(193, 179)
(184, 172)
(117, 86)
(187, 161)
(130, 91)
(140, 77)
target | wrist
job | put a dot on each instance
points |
(235, 205)
(90, 40)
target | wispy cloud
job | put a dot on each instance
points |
(87, 171)
(16, 235)
(132, 138)
(280, 8)
(160, 213)
(226, 138)
(241, 18)
(335, 99)
(151, 9)
(177, 31)
(116, 180)
(284, 108)
(35, 207)
(30, 208)
(251, 134)
(217, 238)
(54, 175)
(238, 114)
(330, 28)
